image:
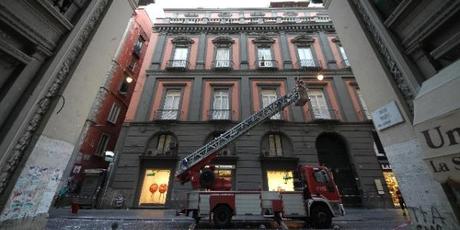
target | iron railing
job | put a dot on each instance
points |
(177, 65)
(220, 114)
(167, 114)
(222, 64)
(324, 114)
(267, 64)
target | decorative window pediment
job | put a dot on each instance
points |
(182, 40)
(263, 41)
(223, 41)
(303, 40)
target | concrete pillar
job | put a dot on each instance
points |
(195, 104)
(201, 51)
(245, 98)
(158, 54)
(345, 103)
(244, 51)
(297, 113)
(324, 43)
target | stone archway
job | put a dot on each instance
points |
(333, 152)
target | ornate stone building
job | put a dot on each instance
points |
(213, 67)
(405, 56)
(50, 72)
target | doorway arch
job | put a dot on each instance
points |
(332, 151)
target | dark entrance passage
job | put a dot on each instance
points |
(333, 153)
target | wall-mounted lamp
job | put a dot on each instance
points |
(129, 79)
(320, 77)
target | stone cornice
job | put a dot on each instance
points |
(232, 28)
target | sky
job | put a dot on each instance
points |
(154, 9)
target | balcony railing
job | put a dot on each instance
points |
(222, 64)
(177, 65)
(220, 114)
(167, 114)
(310, 64)
(267, 64)
(323, 114)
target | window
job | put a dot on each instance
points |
(133, 63)
(318, 104)
(154, 189)
(268, 97)
(180, 57)
(264, 56)
(363, 105)
(344, 56)
(222, 58)
(102, 146)
(124, 87)
(305, 57)
(274, 145)
(165, 144)
(113, 114)
(280, 180)
(220, 105)
(138, 46)
(321, 176)
(170, 109)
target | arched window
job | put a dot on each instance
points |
(276, 145)
(162, 144)
(228, 150)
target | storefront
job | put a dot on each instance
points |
(280, 180)
(155, 186)
(437, 124)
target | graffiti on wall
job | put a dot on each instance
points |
(430, 218)
(35, 185)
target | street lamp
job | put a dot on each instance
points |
(320, 77)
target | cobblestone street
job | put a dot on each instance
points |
(167, 219)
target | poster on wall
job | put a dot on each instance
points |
(280, 181)
(155, 187)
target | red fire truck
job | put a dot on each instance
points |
(316, 199)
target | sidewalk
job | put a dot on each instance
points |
(167, 219)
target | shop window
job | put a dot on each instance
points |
(224, 171)
(170, 110)
(269, 96)
(280, 180)
(392, 185)
(220, 105)
(154, 190)
(318, 104)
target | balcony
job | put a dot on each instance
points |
(309, 64)
(167, 114)
(245, 20)
(267, 64)
(178, 65)
(323, 114)
(220, 114)
(223, 64)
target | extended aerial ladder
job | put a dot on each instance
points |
(189, 167)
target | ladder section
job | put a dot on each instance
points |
(297, 95)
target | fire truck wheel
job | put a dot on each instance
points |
(321, 218)
(207, 178)
(222, 216)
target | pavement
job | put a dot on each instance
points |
(356, 218)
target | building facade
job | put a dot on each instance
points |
(111, 104)
(405, 56)
(212, 68)
(50, 76)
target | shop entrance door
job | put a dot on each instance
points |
(333, 153)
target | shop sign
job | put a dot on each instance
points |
(387, 116)
(445, 167)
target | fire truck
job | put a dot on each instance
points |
(316, 199)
